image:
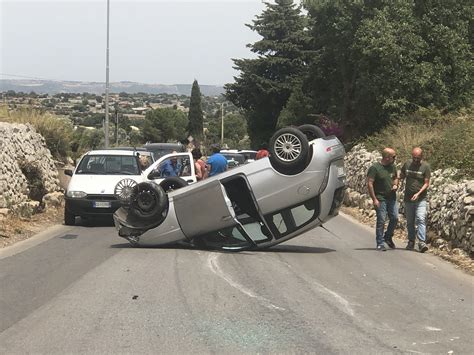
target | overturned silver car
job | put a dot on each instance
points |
(257, 205)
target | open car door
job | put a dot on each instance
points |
(203, 209)
(183, 167)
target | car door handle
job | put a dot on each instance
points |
(190, 180)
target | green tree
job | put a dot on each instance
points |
(195, 116)
(235, 130)
(164, 125)
(265, 83)
(378, 60)
(298, 109)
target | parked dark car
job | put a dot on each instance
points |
(160, 149)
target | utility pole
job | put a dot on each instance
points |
(116, 125)
(106, 126)
(222, 125)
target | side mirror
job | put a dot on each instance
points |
(68, 172)
(155, 174)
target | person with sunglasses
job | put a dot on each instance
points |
(382, 183)
(417, 173)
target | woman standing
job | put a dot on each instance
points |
(199, 165)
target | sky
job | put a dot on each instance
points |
(151, 41)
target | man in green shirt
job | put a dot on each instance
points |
(382, 183)
(417, 174)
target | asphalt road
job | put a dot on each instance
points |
(84, 290)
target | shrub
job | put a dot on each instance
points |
(57, 131)
(447, 140)
(454, 147)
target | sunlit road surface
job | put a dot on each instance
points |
(84, 290)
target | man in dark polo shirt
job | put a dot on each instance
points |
(417, 174)
(382, 183)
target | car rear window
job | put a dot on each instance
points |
(108, 165)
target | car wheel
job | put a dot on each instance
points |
(69, 218)
(173, 183)
(289, 150)
(312, 131)
(150, 202)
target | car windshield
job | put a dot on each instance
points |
(108, 165)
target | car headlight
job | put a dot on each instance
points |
(76, 194)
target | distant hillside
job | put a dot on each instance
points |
(54, 87)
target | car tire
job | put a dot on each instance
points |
(69, 218)
(150, 202)
(173, 183)
(312, 131)
(289, 150)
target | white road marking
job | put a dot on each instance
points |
(345, 303)
(433, 329)
(212, 263)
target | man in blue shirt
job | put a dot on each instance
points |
(170, 167)
(217, 162)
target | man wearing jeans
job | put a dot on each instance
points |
(417, 174)
(382, 183)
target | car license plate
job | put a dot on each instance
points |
(101, 204)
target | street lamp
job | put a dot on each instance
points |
(106, 128)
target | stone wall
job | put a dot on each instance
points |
(450, 203)
(23, 149)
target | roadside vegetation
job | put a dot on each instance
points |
(57, 131)
(447, 140)
(361, 65)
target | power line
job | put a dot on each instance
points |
(27, 77)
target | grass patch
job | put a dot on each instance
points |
(447, 140)
(57, 131)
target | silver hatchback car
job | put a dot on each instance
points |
(257, 205)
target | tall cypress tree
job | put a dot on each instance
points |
(195, 116)
(265, 83)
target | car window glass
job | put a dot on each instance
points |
(290, 219)
(279, 223)
(254, 230)
(301, 215)
(186, 166)
(230, 237)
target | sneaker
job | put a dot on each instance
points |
(381, 248)
(422, 247)
(390, 243)
(410, 245)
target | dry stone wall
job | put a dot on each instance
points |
(450, 203)
(21, 147)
